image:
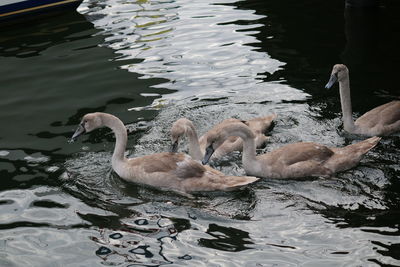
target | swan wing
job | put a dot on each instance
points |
(383, 115)
(298, 152)
(260, 125)
(177, 164)
(203, 138)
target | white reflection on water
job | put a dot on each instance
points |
(198, 46)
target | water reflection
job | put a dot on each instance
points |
(21, 42)
(226, 238)
(56, 69)
(140, 241)
(201, 48)
(23, 168)
(368, 52)
(362, 37)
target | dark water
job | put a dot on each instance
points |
(151, 62)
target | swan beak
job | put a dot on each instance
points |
(331, 81)
(174, 147)
(208, 154)
(79, 131)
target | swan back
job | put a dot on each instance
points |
(382, 120)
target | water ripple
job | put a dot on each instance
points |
(199, 47)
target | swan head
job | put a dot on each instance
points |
(338, 74)
(89, 122)
(214, 140)
(178, 130)
(217, 137)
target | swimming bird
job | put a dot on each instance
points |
(290, 161)
(382, 120)
(197, 146)
(175, 171)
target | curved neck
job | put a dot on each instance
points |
(121, 136)
(249, 150)
(194, 145)
(249, 144)
(345, 100)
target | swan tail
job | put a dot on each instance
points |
(357, 150)
(366, 145)
(349, 156)
(234, 182)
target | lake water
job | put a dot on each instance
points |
(152, 62)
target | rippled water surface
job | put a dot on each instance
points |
(152, 62)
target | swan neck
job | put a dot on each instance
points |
(249, 150)
(194, 145)
(345, 100)
(249, 143)
(121, 136)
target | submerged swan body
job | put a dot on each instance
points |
(175, 171)
(382, 120)
(293, 160)
(197, 146)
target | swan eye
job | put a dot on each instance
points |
(84, 123)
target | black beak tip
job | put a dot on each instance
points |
(174, 147)
(79, 131)
(207, 155)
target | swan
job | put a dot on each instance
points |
(197, 146)
(175, 171)
(290, 161)
(382, 120)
